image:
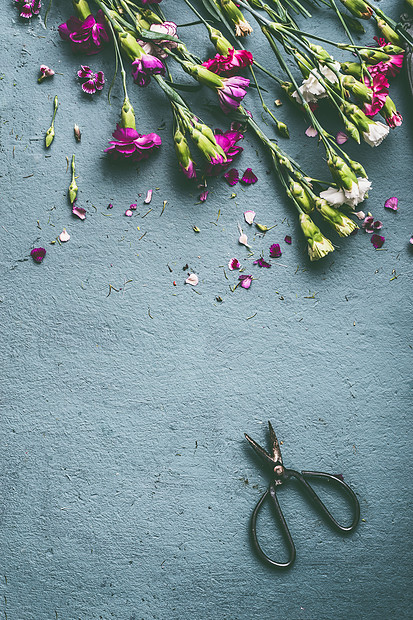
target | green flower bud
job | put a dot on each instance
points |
(358, 169)
(342, 224)
(127, 115)
(285, 162)
(50, 134)
(355, 115)
(242, 27)
(388, 33)
(373, 57)
(210, 150)
(82, 9)
(318, 245)
(358, 8)
(359, 90)
(130, 45)
(301, 196)
(73, 189)
(351, 130)
(351, 68)
(222, 45)
(203, 75)
(341, 172)
(283, 129)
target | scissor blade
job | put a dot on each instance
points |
(275, 446)
(260, 451)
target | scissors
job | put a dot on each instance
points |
(281, 475)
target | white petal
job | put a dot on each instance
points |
(64, 236)
(192, 279)
(249, 216)
(333, 196)
(376, 133)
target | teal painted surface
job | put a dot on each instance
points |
(124, 468)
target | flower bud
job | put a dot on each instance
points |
(341, 172)
(352, 130)
(388, 33)
(301, 197)
(373, 57)
(318, 245)
(358, 8)
(351, 68)
(203, 75)
(77, 133)
(283, 129)
(222, 45)
(127, 115)
(342, 224)
(242, 27)
(184, 154)
(82, 9)
(359, 90)
(358, 169)
(50, 134)
(73, 189)
(213, 152)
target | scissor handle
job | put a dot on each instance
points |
(272, 493)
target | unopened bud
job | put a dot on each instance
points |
(358, 8)
(77, 132)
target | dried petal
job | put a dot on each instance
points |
(204, 195)
(64, 236)
(341, 137)
(392, 203)
(110, 206)
(262, 263)
(311, 132)
(148, 196)
(234, 264)
(288, 239)
(377, 225)
(128, 212)
(249, 216)
(245, 281)
(232, 176)
(360, 214)
(377, 241)
(249, 178)
(133, 206)
(38, 254)
(79, 211)
(275, 250)
(192, 279)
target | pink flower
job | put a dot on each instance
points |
(156, 47)
(262, 263)
(232, 92)
(38, 254)
(85, 36)
(227, 141)
(94, 81)
(234, 264)
(392, 203)
(232, 176)
(228, 65)
(377, 241)
(370, 225)
(45, 72)
(380, 89)
(275, 250)
(288, 239)
(249, 178)
(391, 66)
(245, 281)
(146, 66)
(30, 8)
(128, 143)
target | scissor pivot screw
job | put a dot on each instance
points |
(278, 470)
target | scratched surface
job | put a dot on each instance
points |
(126, 484)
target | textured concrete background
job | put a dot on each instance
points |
(127, 486)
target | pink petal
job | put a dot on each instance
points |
(232, 176)
(79, 211)
(133, 207)
(288, 239)
(128, 212)
(245, 281)
(377, 241)
(311, 132)
(204, 195)
(249, 216)
(249, 178)
(148, 196)
(341, 137)
(192, 279)
(377, 225)
(360, 214)
(64, 236)
(234, 264)
(110, 206)
(262, 263)
(392, 203)
(38, 254)
(411, 240)
(275, 250)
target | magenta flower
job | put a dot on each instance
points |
(288, 239)
(28, 9)
(275, 250)
(128, 143)
(245, 281)
(228, 142)
(249, 178)
(87, 36)
(230, 64)
(377, 241)
(379, 85)
(262, 263)
(394, 119)
(232, 176)
(232, 92)
(144, 67)
(370, 225)
(38, 254)
(392, 203)
(234, 264)
(156, 48)
(94, 81)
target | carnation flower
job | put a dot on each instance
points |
(228, 143)
(128, 143)
(145, 66)
(375, 134)
(352, 197)
(94, 81)
(85, 36)
(28, 9)
(156, 48)
(230, 64)
(232, 92)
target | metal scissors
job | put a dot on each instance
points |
(280, 475)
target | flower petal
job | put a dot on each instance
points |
(275, 250)
(249, 178)
(192, 279)
(128, 212)
(234, 264)
(262, 263)
(64, 236)
(311, 132)
(341, 137)
(204, 195)
(245, 280)
(249, 216)
(79, 211)
(377, 241)
(148, 196)
(38, 254)
(392, 203)
(232, 176)
(288, 239)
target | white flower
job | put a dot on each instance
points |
(333, 196)
(376, 133)
(311, 90)
(351, 197)
(329, 73)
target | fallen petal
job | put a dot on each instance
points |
(38, 254)
(341, 137)
(64, 236)
(377, 225)
(79, 211)
(311, 132)
(234, 264)
(133, 207)
(192, 279)
(262, 263)
(249, 178)
(288, 239)
(275, 250)
(128, 213)
(249, 216)
(148, 197)
(377, 241)
(360, 214)
(232, 176)
(245, 281)
(392, 203)
(204, 195)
